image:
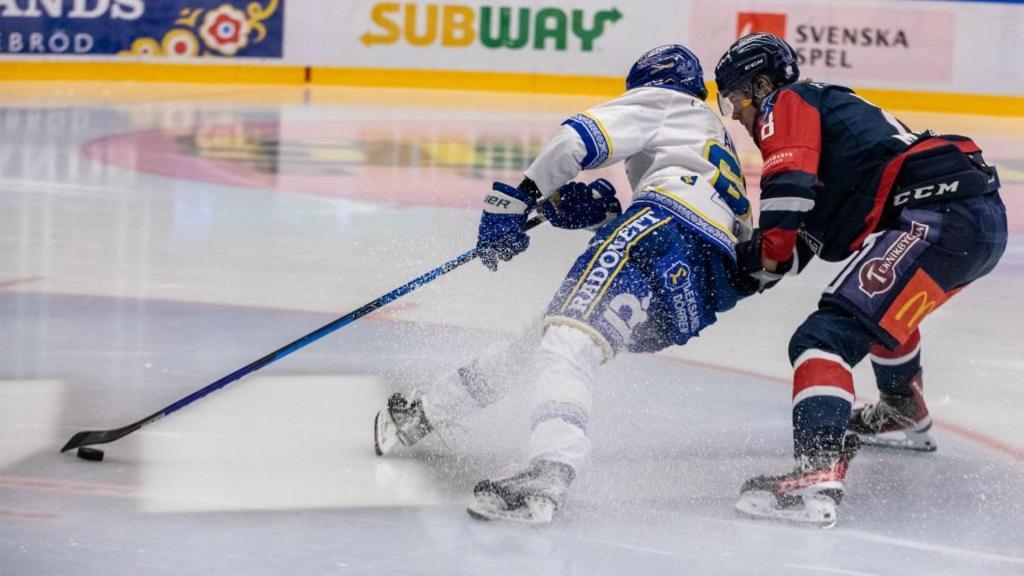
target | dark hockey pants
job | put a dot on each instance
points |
(900, 277)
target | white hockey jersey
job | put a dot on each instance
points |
(677, 153)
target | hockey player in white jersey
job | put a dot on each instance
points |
(654, 276)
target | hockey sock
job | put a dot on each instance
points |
(822, 400)
(894, 369)
(569, 360)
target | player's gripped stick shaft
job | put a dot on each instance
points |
(85, 438)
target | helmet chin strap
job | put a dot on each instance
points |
(756, 101)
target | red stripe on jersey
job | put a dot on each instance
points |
(821, 372)
(892, 170)
(777, 244)
(902, 350)
(789, 136)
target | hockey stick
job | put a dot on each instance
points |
(89, 437)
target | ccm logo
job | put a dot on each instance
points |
(925, 192)
(498, 201)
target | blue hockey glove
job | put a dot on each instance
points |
(501, 235)
(583, 205)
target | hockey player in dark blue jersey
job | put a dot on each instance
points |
(922, 217)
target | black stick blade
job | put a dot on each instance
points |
(89, 437)
(77, 440)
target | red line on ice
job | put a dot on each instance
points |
(1008, 450)
(17, 281)
(20, 515)
(53, 485)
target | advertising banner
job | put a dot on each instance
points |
(849, 43)
(922, 46)
(574, 37)
(169, 28)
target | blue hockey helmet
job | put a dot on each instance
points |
(671, 66)
(756, 55)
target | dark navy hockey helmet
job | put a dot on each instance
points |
(671, 66)
(752, 56)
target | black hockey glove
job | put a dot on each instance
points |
(748, 263)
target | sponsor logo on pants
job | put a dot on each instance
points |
(608, 261)
(877, 275)
(683, 299)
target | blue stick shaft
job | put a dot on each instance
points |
(321, 332)
(88, 437)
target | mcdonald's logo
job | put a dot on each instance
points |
(919, 298)
(924, 307)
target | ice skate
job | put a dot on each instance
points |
(808, 495)
(895, 421)
(401, 422)
(530, 496)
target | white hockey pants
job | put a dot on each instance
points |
(567, 364)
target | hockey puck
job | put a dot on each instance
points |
(94, 454)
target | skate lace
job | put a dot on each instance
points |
(539, 479)
(878, 416)
(803, 466)
(806, 472)
(411, 422)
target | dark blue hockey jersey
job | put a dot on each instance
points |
(831, 159)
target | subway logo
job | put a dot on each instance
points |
(496, 28)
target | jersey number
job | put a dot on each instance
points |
(728, 178)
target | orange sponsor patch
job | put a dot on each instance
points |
(750, 22)
(919, 298)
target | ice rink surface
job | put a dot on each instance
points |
(156, 238)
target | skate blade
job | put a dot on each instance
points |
(385, 436)
(901, 440)
(487, 507)
(817, 510)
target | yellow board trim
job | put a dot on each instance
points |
(225, 73)
(151, 72)
(941, 102)
(462, 80)
(985, 104)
